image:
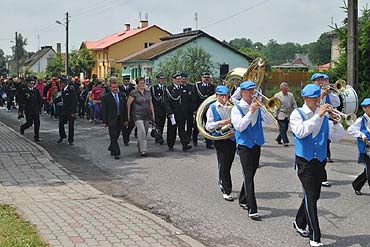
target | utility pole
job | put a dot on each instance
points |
(67, 53)
(38, 49)
(352, 44)
(16, 54)
(196, 21)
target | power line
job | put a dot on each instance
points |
(93, 8)
(237, 13)
(102, 9)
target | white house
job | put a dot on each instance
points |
(38, 61)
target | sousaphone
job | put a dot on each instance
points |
(255, 72)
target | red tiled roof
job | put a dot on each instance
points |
(113, 38)
(323, 67)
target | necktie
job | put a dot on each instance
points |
(117, 102)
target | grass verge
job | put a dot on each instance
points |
(15, 231)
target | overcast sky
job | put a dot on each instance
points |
(300, 21)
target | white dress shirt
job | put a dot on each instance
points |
(354, 129)
(224, 112)
(334, 100)
(241, 123)
(312, 125)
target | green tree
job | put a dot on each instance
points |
(277, 53)
(3, 70)
(192, 61)
(56, 66)
(81, 61)
(21, 50)
(319, 52)
(241, 43)
(74, 63)
(87, 62)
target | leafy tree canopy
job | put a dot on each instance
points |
(193, 61)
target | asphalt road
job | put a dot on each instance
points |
(182, 187)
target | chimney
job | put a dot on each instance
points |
(126, 27)
(143, 24)
(187, 30)
(59, 48)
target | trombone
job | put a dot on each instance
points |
(348, 118)
(271, 104)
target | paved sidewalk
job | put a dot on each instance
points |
(69, 212)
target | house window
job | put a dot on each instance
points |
(147, 44)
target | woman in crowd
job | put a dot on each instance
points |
(140, 109)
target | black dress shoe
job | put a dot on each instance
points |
(70, 143)
(187, 147)
(161, 142)
(126, 143)
(358, 192)
(195, 144)
(210, 147)
(278, 141)
(116, 157)
(171, 149)
(60, 140)
(244, 206)
(38, 140)
(21, 131)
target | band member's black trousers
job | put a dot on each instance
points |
(309, 173)
(249, 158)
(160, 120)
(172, 131)
(189, 125)
(35, 120)
(63, 119)
(126, 132)
(283, 128)
(324, 175)
(225, 156)
(363, 177)
(209, 143)
(114, 133)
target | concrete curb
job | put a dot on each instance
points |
(175, 231)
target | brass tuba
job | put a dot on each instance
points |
(255, 72)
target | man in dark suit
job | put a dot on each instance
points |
(188, 101)
(126, 89)
(30, 104)
(203, 89)
(158, 99)
(114, 115)
(176, 112)
(68, 111)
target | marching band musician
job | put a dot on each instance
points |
(218, 115)
(311, 129)
(158, 92)
(247, 118)
(326, 97)
(361, 130)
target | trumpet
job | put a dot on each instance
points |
(338, 116)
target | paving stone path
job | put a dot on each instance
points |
(68, 211)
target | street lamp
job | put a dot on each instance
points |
(67, 53)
